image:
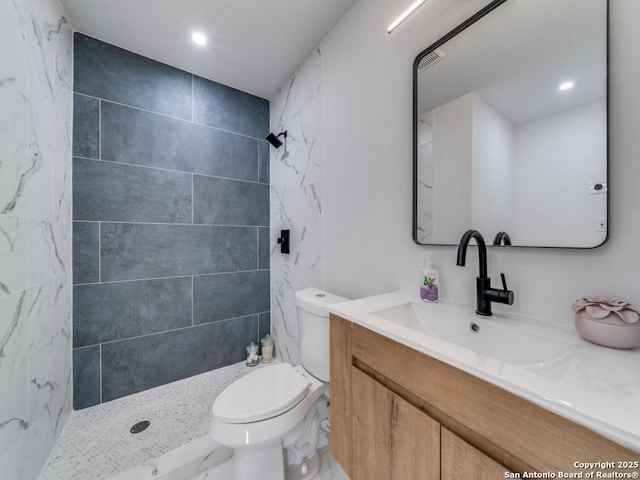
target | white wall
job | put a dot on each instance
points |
(472, 183)
(492, 170)
(452, 139)
(557, 158)
(35, 233)
(366, 125)
(366, 169)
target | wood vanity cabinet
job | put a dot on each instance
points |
(394, 438)
(461, 460)
(399, 414)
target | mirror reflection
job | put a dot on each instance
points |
(510, 127)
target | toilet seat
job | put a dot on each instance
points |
(262, 394)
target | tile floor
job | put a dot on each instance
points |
(96, 443)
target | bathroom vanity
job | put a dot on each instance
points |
(431, 392)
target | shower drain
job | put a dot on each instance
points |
(140, 426)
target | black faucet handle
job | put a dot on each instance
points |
(504, 282)
(506, 295)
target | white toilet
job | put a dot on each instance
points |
(276, 411)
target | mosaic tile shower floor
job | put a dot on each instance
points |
(96, 443)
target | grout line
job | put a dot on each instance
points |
(259, 139)
(257, 315)
(100, 358)
(170, 170)
(117, 222)
(258, 248)
(192, 305)
(99, 252)
(86, 95)
(99, 129)
(166, 331)
(170, 278)
(192, 115)
(193, 201)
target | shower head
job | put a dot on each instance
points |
(274, 140)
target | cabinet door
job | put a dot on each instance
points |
(392, 439)
(461, 460)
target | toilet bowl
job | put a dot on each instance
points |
(275, 410)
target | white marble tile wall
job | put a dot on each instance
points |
(296, 201)
(35, 232)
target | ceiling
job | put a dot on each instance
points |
(517, 56)
(253, 45)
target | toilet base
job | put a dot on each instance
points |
(306, 470)
(264, 461)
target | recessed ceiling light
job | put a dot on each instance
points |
(414, 6)
(565, 86)
(199, 38)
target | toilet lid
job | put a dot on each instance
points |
(262, 394)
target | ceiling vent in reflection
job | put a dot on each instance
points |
(430, 58)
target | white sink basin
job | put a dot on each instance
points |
(497, 337)
(543, 361)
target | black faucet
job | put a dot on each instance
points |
(484, 293)
(502, 238)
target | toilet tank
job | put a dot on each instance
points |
(313, 322)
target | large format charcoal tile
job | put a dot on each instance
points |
(264, 153)
(229, 295)
(264, 324)
(108, 191)
(137, 251)
(86, 127)
(229, 109)
(114, 311)
(104, 71)
(143, 138)
(133, 224)
(264, 253)
(130, 366)
(86, 377)
(85, 252)
(219, 201)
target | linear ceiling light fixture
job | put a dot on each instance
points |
(405, 15)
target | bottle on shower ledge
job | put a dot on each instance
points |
(267, 349)
(252, 354)
(429, 288)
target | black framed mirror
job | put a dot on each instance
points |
(510, 127)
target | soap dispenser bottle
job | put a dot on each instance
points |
(429, 288)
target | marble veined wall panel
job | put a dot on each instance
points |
(296, 201)
(35, 233)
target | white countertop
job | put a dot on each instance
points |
(594, 386)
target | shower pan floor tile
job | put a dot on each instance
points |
(96, 442)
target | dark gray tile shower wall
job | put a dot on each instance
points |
(171, 223)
